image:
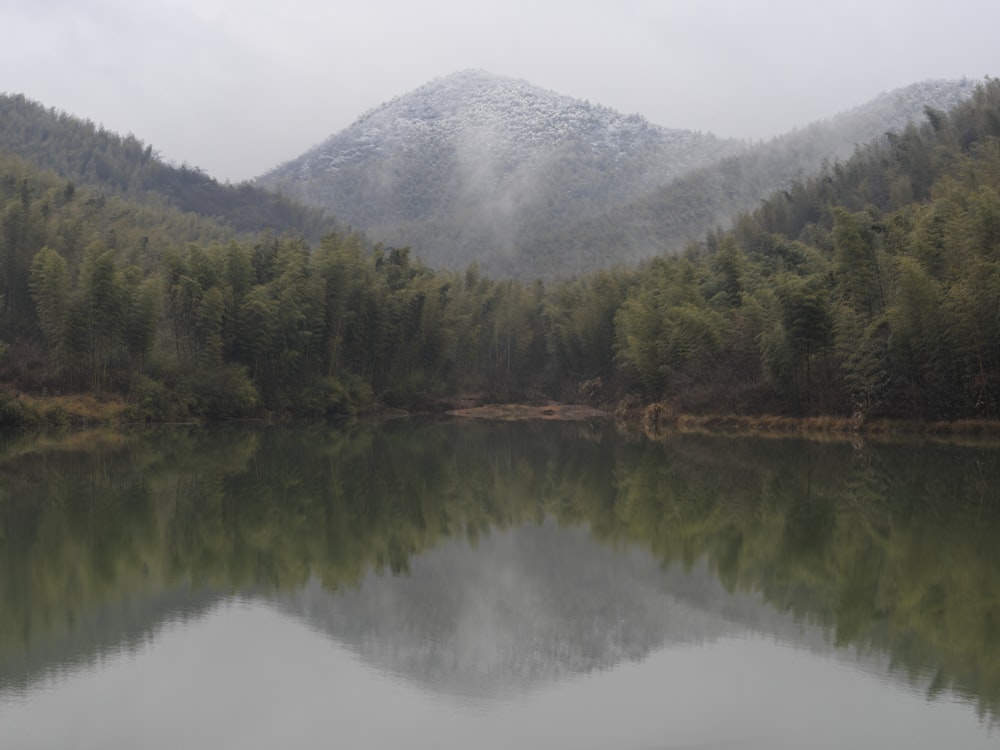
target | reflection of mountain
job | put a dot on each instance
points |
(121, 627)
(887, 553)
(528, 606)
(518, 609)
(522, 607)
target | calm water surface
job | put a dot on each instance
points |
(442, 585)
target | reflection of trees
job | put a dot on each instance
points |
(893, 549)
(890, 547)
(261, 508)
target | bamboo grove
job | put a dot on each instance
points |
(872, 288)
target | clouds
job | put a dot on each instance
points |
(236, 86)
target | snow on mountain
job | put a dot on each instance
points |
(498, 117)
(475, 167)
(893, 110)
(482, 158)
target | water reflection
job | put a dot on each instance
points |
(524, 607)
(483, 561)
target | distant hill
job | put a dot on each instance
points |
(79, 151)
(664, 220)
(472, 165)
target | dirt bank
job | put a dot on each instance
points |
(552, 411)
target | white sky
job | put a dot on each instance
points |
(238, 86)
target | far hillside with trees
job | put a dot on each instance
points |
(870, 289)
(124, 166)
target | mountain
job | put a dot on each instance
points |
(685, 209)
(79, 151)
(474, 167)
(474, 164)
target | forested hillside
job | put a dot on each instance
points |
(668, 217)
(78, 150)
(871, 289)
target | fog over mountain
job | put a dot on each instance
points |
(475, 167)
(683, 210)
(475, 160)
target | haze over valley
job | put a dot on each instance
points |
(475, 167)
(479, 168)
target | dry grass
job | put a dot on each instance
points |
(659, 417)
(80, 409)
(73, 441)
(516, 412)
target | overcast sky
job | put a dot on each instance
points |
(238, 86)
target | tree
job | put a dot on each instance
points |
(50, 290)
(919, 351)
(142, 309)
(802, 332)
(102, 293)
(856, 266)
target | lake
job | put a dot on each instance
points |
(439, 584)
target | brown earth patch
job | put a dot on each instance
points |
(551, 411)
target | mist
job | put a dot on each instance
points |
(238, 88)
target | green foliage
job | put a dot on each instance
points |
(858, 272)
(50, 291)
(142, 310)
(150, 400)
(658, 322)
(223, 392)
(331, 396)
(805, 322)
(88, 155)
(579, 324)
(840, 297)
(56, 416)
(102, 305)
(833, 297)
(16, 415)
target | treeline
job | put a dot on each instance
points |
(872, 289)
(80, 151)
(100, 295)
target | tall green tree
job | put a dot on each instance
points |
(102, 292)
(50, 290)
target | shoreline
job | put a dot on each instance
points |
(24, 412)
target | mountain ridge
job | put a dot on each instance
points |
(479, 168)
(669, 217)
(441, 101)
(471, 153)
(89, 155)
(526, 182)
